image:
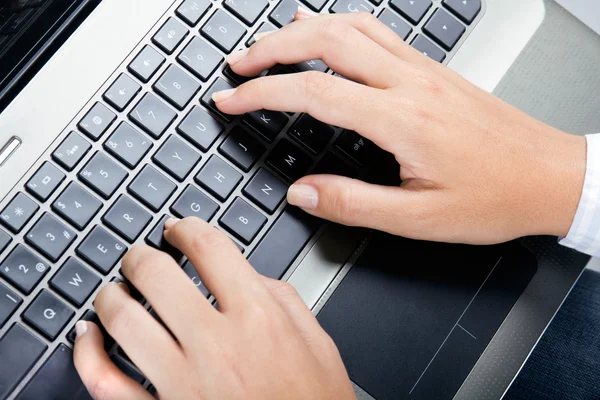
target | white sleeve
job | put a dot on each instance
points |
(584, 234)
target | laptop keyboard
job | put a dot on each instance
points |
(153, 145)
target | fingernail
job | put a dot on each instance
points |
(234, 58)
(223, 95)
(303, 196)
(261, 35)
(304, 13)
(80, 328)
(170, 223)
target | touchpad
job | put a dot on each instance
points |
(412, 318)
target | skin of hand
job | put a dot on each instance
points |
(474, 169)
(261, 343)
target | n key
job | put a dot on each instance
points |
(266, 191)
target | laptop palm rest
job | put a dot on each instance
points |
(412, 318)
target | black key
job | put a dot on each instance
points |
(267, 123)
(316, 5)
(56, 379)
(264, 27)
(122, 92)
(9, 302)
(218, 178)
(157, 239)
(194, 203)
(311, 65)
(103, 175)
(395, 23)
(356, 147)
(376, 2)
(177, 158)
(223, 31)
(5, 239)
(19, 351)
(238, 79)
(127, 145)
(247, 11)
(350, 6)
(463, 9)
(152, 115)
(101, 250)
(190, 271)
(242, 149)
(50, 237)
(48, 315)
(413, 10)
(18, 21)
(170, 35)
(97, 121)
(71, 151)
(176, 87)
(23, 269)
(200, 128)
(192, 10)
(266, 191)
(333, 165)
(429, 49)
(208, 102)
(289, 160)
(243, 221)
(200, 58)
(444, 29)
(312, 133)
(18, 212)
(45, 181)
(77, 206)
(284, 13)
(145, 65)
(91, 316)
(75, 282)
(128, 369)
(284, 241)
(127, 218)
(135, 294)
(152, 188)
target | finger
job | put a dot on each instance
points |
(102, 379)
(169, 290)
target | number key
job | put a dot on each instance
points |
(23, 269)
(247, 11)
(192, 10)
(128, 145)
(18, 212)
(200, 58)
(76, 205)
(50, 237)
(170, 36)
(103, 175)
(223, 31)
(176, 87)
(45, 181)
(152, 115)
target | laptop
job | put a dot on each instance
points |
(107, 127)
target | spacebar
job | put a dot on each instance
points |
(282, 244)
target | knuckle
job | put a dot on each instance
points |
(284, 289)
(317, 84)
(428, 82)
(365, 19)
(210, 241)
(345, 204)
(100, 387)
(333, 29)
(119, 320)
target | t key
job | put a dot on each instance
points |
(152, 188)
(50, 237)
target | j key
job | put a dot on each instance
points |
(75, 282)
(200, 128)
(145, 65)
(176, 86)
(200, 58)
(284, 13)
(91, 316)
(194, 203)
(152, 115)
(356, 147)
(103, 175)
(247, 11)
(264, 27)
(223, 30)
(97, 121)
(5, 239)
(9, 302)
(122, 92)
(243, 221)
(267, 123)
(242, 149)
(77, 206)
(333, 165)
(101, 250)
(312, 133)
(127, 145)
(444, 29)
(71, 151)
(413, 10)
(465, 10)
(152, 188)
(50, 237)
(192, 10)
(395, 23)
(218, 178)
(429, 49)
(350, 6)
(283, 242)
(48, 315)
(56, 379)
(266, 191)
(316, 5)
(127, 218)
(18, 212)
(311, 65)
(19, 351)
(157, 239)
(170, 35)
(208, 102)
(23, 269)
(190, 271)
(177, 158)
(45, 181)
(289, 160)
